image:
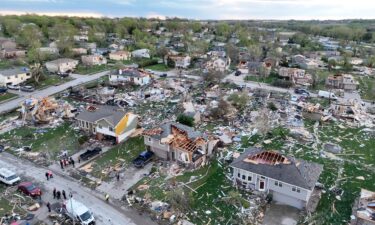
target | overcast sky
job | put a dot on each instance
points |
(198, 9)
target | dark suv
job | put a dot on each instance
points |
(90, 153)
(143, 159)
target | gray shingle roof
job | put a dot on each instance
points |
(167, 130)
(14, 71)
(299, 173)
(112, 114)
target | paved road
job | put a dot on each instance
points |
(78, 79)
(105, 213)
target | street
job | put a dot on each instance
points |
(78, 79)
(104, 213)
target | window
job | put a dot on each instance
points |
(278, 183)
(100, 126)
(249, 178)
(149, 139)
(243, 177)
(110, 128)
(293, 188)
(298, 190)
(239, 175)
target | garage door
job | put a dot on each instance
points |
(278, 197)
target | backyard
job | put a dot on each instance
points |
(367, 87)
(49, 80)
(158, 67)
(87, 70)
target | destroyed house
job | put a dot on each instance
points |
(107, 122)
(342, 81)
(290, 181)
(130, 75)
(364, 208)
(177, 142)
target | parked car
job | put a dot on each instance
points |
(301, 91)
(24, 148)
(28, 188)
(8, 177)
(63, 75)
(2, 148)
(90, 153)
(143, 159)
(326, 94)
(163, 75)
(13, 87)
(237, 73)
(27, 88)
(294, 98)
(3, 89)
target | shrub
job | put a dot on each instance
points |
(186, 120)
(83, 139)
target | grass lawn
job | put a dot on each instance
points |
(367, 87)
(4, 64)
(6, 96)
(321, 76)
(268, 80)
(48, 140)
(122, 153)
(322, 101)
(357, 159)
(86, 70)
(50, 80)
(6, 206)
(158, 67)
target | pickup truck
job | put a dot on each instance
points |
(90, 153)
(143, 159)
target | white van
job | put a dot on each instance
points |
(8, 177)
(79, 212)
(326, 94)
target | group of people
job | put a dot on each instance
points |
(59, 194)
(67, 161)
(49, 174)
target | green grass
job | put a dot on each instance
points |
(158, 67)
(268, 80)
(367, 88)
(86, 70)
(321, 76)
(6, 96)
(4, 64)
(52, 141)
(322, 101)
(124, 152)
(50, 80)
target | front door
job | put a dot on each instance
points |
(261, 185)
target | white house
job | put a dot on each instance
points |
(130, 75)
(180, 61)
(141, 53)
(62, 65)
(218, 64)
(119, 55)
(93, 60)
(290, 181)
(14, 76)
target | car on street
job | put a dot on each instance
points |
(27, 88)
(302, 91)
(294, 98)
(28, 188)
(143, 159)
(90, 153)
(3, 89)
(8, 177)
(13, 87)
(163, 75)
(237, 73)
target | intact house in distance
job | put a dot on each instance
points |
(181, 143)
(14, 76)
(63, 65)
(290, 181)
(130, 75)
(107, 122)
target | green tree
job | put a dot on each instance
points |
(11, 26)
(213, 77)
(239, 100)
(29, 35)
(186, 120)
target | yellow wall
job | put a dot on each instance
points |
(122, 124)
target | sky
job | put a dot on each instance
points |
(198, 9)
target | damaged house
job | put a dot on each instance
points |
(296, 76)
(130, 75)
(177, 142)
(342, 81)
(107, 122)
(290, 181)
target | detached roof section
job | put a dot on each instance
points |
(92, 114)
(165, 130)
(279, 167)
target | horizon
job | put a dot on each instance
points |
(197, 10)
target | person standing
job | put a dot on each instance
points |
(61, 164)
(47, 175)
(72, 162)
(54, 193)
(107, 197)
(49, 207)
(64, 194)
(58, 195)
(118, 176)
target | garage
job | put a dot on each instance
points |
(282, 198)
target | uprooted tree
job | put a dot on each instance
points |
(213, 77)
(180, 200)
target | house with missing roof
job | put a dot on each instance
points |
(177, 142)
(14, 76)
(107, 122)
(290, 181)
(63, 65)
(130, 75)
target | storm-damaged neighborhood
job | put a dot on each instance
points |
(150, 121)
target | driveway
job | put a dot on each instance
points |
(79, 79)
(279, 214)
(104, 213)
